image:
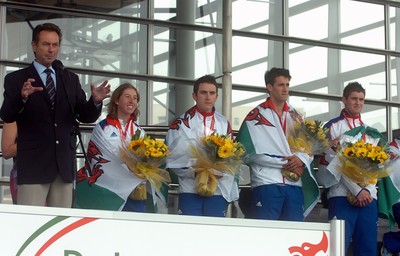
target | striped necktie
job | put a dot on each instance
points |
(51, 89)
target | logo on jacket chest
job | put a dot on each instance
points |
(255, 115)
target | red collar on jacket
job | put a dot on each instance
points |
(269, 104)
(206, 114)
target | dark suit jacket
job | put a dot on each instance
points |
(45, 143)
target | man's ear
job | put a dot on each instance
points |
(33, 45)
(269, 87)
(344, 99)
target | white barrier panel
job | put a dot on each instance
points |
(47, 231)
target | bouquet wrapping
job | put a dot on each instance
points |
(144, 156)
(307, 137)
(216, 155)
(364, 163)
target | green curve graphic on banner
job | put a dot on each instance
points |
(63, 232)
(43, 228)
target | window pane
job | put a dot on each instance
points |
(163, 52)
(395, 122)
(208, 54)
(364, 27)
(173, 53)
(164, 10)
(394, 27)
(249, 66)
(395, 79)
(302, 21)
(160, 105)
(87, 43)
(375, 116)
(297, 2)
(209, 13)
(338, 22)
(313, 59)
(367, 69)
(256, 16)
(131, 8)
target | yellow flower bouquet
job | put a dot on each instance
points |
(306, 137)
(364, 162)
(216, 155)
(144, 156)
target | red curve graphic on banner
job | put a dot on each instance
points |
(308, 249)
(63, 232)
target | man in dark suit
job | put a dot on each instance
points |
(46, 140)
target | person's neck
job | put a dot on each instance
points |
(352, 115)
(278, 106)
(205, 112)
(124, 118)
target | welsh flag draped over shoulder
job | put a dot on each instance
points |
(388, 187)
(249, 135)
(111, 181)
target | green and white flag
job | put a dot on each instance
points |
(262, 136)
(110, 183)
(389, 187)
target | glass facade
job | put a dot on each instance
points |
(163, 46)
